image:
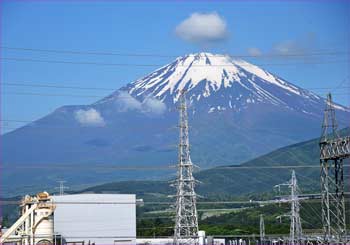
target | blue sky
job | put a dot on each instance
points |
(149, 28)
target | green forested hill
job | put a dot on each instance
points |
(254, 176)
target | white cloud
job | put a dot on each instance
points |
(254, 52)
(202, 28)
(288, 47)
(154, 106)
(126, 102)
(89, 117)
(300, 45)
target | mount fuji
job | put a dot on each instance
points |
(237, 111)
(219, 83)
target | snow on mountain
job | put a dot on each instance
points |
(236, 82)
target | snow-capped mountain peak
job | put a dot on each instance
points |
(188, 71)
(223, 82)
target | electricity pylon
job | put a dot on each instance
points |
(62, 187)
(186, 220)
(333, 149)
(262, 230)
(295, 232)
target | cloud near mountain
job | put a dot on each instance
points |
(125, 102)
(202, 28)
(90, 117)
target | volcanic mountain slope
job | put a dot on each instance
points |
(237, 111)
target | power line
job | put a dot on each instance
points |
(42, 85)
(277, 236)
(14, 120)
(137, 167)
(33, 124)
(14, 202)
(315, 212)
(346, 79)
(88, 96)
(85, 166)
(273, 167)
(4, 202)
(77, 52)
(155, 65)
(27, 84)
(67, 95)
(59, 95)
(55, 95)
(78, 127)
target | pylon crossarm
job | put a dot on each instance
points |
(335, 149)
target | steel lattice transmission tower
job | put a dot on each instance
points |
(62, 187)
(296, 232)
(333, 149)
(262, 230)
(186, 220)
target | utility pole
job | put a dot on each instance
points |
(333, 150)
(262, 230)
(186, 220)
(62, 187)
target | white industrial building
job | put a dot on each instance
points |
(96, 218)
(74, 219)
